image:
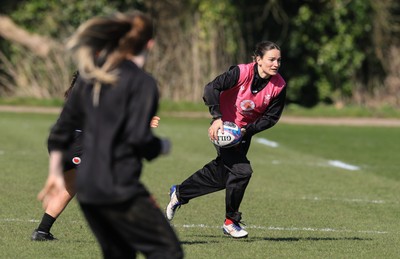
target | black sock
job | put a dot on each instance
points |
(46, 223)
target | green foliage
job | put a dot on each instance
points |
(330, 39)
(220, 14)
(58, 18)
(332, 50)
(46, 77)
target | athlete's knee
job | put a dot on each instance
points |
(243, 170)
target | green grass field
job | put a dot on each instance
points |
(316, 192)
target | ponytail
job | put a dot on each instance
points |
(73, 81)
(102, 43)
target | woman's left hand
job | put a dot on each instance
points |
(55, 180)
(53, 186)
(154, 122)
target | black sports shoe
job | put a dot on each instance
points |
(42, 236)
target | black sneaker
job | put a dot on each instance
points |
(42, 236)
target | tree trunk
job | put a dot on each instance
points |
(39, 45)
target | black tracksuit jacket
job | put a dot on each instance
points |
(117, 135)
(228, 80)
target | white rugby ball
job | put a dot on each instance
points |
(231, 136)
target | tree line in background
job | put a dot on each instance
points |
(334, 51)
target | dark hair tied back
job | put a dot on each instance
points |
(102, 43)
(263, 47)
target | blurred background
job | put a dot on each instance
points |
(335, 52)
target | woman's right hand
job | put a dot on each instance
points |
(213, 130)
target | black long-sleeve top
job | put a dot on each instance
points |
(228, 80)
(117, 135)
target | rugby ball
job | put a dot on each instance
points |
(231, 136)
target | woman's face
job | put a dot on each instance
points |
(268, 65)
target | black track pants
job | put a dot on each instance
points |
(230, 170)
(134, 226)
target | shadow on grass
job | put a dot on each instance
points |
(211, 239)
(217, 239)
(198, 242)
(297, 239)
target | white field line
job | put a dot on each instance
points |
(267, 142)
(307, 229)
(287, 229)
(346, 200)
(20, 220)
(340, 164)
(31, 220)
(334, 163)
